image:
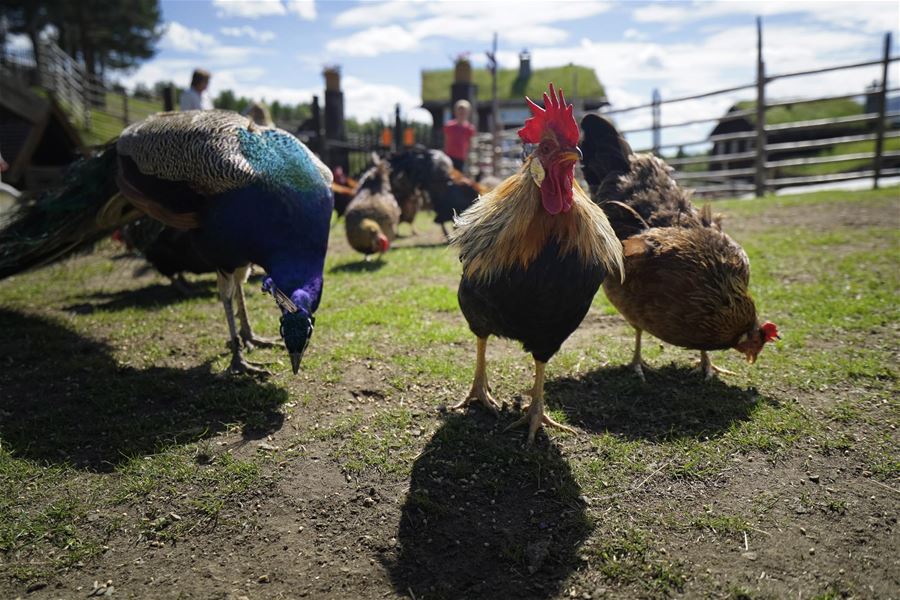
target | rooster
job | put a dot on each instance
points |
(418, 174)
(246, 193)
(372, 216)
(686, 281)
(534, 252)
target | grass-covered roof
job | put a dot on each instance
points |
(573, 79)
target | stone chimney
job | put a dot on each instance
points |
(524, 64)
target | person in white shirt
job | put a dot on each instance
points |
(193, 98)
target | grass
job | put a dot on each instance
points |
(846, 165)
(120, 436)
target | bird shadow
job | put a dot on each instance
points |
(361, 266)
(154, 296)
(675, 402)
(65, 399)
(485, 518)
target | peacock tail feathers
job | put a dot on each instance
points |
(70, 218)
(218, 151)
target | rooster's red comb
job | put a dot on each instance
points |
(770, 331)
(556, 116)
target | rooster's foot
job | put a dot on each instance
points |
(481, 393)
(535, 418)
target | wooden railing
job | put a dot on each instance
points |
(758, 168)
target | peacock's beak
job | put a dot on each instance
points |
(295, 361)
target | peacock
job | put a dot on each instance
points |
(246, 193)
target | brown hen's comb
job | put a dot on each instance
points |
(556, 115)
(770, 331)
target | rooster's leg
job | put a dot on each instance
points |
(226, 293)
(708, 369)
(480, 391)
(247, 336)
(535, 417)
(637, 363)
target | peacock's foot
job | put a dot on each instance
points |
(536, 418)
(240, 366)
(480, 392)
(251, 341)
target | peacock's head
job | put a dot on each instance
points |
(296, 323)
(296, 331)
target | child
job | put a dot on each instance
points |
(458, 133)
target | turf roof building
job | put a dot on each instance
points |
(441, 88)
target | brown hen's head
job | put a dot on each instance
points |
(751, 342)
(554, 130)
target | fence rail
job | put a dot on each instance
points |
(766, 156)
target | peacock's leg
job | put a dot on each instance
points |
(182, 285)
(535, 417)
(708, 369)
(480, 391)
(247, 336)
(637, 363)
(226, 293)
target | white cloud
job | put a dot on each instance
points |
(254, 9)
(305, 9)
(375, 41)
(184, 39)
(870, 16)
(633, 34)
(247, 31)
(410, 24)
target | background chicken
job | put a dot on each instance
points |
(168, 250)
(418, 175)
(246, 193)
(534, 251)
(373, 215)
(686, 281)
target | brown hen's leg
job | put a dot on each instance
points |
(637, 363)
(480, 391)
(535, 417)
(708, 369)
(238, 363)
(249, 338)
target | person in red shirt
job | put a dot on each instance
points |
(458, 133)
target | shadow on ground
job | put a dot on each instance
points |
(64, 399)
(675, 402)
(361, 266)
(485, 518)
(154, 296)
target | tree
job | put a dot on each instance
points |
(100, 33)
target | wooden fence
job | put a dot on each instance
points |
(759, 164)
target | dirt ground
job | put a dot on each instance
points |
(478, 516)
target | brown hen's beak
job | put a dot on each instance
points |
(751, 357)
(295, 361)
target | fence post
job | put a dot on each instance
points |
(656, 111)
(882, 110)
(125, 108)
(760, 113)
(398, 129)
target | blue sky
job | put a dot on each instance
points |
(276, 49)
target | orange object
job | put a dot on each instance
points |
(387, 136)
(409, 137)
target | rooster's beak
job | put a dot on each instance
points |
(573, 156)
